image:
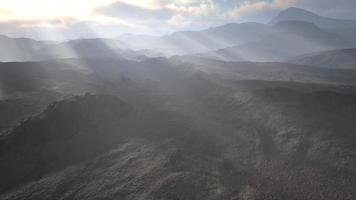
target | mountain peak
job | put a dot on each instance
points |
(298, 14)
(295, 10)
(295, 14)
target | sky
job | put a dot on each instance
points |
(69, 19)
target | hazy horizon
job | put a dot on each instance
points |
(66, 20)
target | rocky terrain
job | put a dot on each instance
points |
(171, 130)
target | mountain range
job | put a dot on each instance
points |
(292, 33)
(298, 14)
(292, 38)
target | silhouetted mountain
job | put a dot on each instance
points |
(184, 42)
(293, 32)
(344, 58)
(84, 48)
(225, 36)
(22, 49)
(292, 38)
(215, 38)
(95, 48)
(298, 14)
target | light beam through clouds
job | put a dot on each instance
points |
(110, 18)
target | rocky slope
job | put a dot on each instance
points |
(253, 140)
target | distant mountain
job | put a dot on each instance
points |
(139, 41)
(23, 49)
(293, 32)
(185, 42)
(216, 38)
(344, 58)
(234, 34)
(307, 16)
(290, 39)
(130, 46)
(84, 48)
(19, 49)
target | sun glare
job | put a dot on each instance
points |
(48, 9)
(79, 9)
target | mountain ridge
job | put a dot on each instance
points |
(299, 14)
(339, 59)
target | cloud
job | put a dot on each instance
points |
(162, 16)
(258, 10)
(5, 12)
(127, 11)
(45, 9)
(63, 29)
(180, 21)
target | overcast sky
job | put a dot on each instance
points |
(64, 19)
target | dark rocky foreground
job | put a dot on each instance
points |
(274, 143)
(176, 129)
